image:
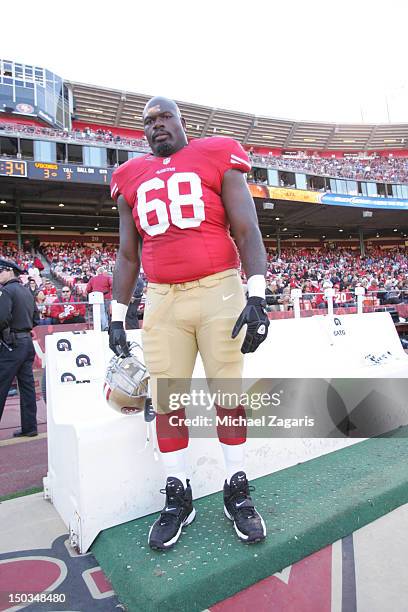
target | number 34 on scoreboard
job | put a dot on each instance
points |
(9, 167)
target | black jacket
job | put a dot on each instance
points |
(17, 307)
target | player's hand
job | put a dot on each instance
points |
(254, 316)
(117, 339)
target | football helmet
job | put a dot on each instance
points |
(126, 385)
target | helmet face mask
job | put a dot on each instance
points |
(127, 382)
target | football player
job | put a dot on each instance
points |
(176, 208)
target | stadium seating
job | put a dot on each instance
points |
(382, 272)
(77, 136)
(361, 167)
(383, 169)
(74, 264)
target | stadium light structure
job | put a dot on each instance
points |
(367, 213)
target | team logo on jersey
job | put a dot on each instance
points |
(166, 161)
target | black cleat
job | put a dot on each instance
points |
(27, 434)
(239, 508)
(176, 514)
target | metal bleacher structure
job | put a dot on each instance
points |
(117, 108)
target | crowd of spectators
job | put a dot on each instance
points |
(82, 268)
(54, 307)
(75, 136)
(370, 168)
(24, 257)
(77, 262)
(382, 273)
(382, 169)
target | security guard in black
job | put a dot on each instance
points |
(18, 315)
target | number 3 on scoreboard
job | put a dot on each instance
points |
(177, 201)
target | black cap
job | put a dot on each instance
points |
(6, 264)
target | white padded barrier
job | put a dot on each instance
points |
(364, 346)
(102, 470)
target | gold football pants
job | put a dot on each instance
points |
(185, 318)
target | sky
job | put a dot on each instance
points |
(340, 61)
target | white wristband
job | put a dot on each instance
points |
(256, 286)
(118, 311)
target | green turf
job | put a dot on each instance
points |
(20, 493)
(305, 507)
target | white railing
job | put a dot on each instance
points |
(302, 304)
(82, 137)
(301, 165)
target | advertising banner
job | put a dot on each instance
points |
(296, 195)
(335, 199)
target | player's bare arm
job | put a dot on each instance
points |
(241, 213)
(124, 277)
(128, 258)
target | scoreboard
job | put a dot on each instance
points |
(12, 167)
(69, 173)
(65, 173)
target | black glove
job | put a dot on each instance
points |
(117, 339)
(254, 316)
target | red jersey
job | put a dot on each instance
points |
(342, 297)
(70, 310)
(49, 291)
(101, 282)
(178, 211)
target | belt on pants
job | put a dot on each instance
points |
(167, 298)
(21, 334)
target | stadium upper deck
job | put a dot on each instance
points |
(112, 107)
(37, 92)
(54, 173)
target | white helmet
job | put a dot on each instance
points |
(126, 382)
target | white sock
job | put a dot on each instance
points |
(175, 464)
(234, 456)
